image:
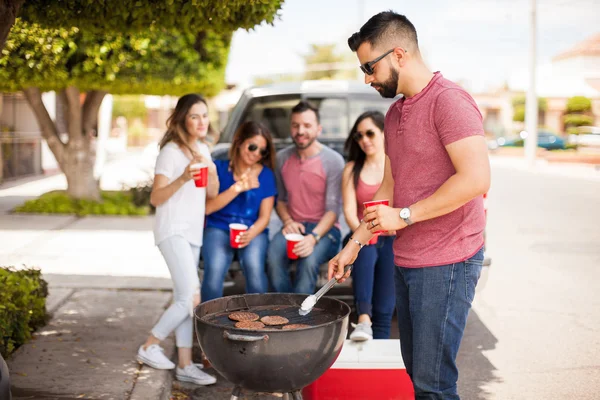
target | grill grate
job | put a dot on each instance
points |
(317, 316)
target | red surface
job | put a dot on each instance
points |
(201, 180)
(290, 250)
(361, 384)
(374, 240)
(368, 204)
(233, 233)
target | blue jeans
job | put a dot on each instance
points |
(218, 256)
(373, 284)
(307, 268)
(433, 304)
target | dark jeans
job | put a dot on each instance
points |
(433, 304)
(373, 284)
(218, 256)
(307, 268)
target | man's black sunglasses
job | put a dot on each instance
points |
(252, 148)
(367, 67)
(358, 136)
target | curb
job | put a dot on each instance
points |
(154, 384)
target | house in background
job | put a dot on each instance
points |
(575, 72)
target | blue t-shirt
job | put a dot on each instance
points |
(245, 207)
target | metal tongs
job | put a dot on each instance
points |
(310, 301)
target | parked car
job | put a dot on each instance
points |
(339, 104)
(546, 139)
(588, 136)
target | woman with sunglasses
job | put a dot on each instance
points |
(246, 196)
(373, 272)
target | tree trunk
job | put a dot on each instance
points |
(77, 157)
(78, 167)
(8, 12)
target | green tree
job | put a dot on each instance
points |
(71, 61)
(579, 109)
(518, 103)
(579, 104)
(136, 15)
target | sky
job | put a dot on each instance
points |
(481, 43)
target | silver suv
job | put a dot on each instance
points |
(339, 103)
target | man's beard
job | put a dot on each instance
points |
(305, 146)
(389, 87)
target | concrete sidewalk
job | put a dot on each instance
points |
(88, 348)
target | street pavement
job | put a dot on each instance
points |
(533, 333)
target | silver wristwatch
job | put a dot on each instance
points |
(405, 215)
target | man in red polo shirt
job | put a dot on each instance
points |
(436, 173)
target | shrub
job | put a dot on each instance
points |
(140, 194)
(57, 202)
(578, 120)
(22, 306)
(519, 115)
(579, 104)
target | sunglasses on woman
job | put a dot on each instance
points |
(358, 136)
(252, 148)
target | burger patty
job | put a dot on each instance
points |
(249, 325)
(243, 316)
(274, 320)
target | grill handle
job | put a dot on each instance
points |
(244, 338)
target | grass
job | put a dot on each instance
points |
(57, 202)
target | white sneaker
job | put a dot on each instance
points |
(154, 356)
(191, 373)
(362, 332)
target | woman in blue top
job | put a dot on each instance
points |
(246, 196)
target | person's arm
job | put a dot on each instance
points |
(264, 216)
(361, 235)
(212, 189)
(334, 168)
(245, 183)
(472, 179)
(458, 122)
(162, 190)
(289, 225)
(349, 198)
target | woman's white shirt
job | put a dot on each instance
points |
(183, 214)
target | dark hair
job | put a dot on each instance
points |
(352, 148)
(386, 26)
(176, 131)
(248, 130)
(306, 106)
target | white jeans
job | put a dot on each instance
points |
(182, 258)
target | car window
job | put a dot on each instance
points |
(274, 112)
(360, 105)
(337, 113)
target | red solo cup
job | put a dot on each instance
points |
(374, 240)
(201, 177)
(234, 231)
(368, 204)
(292, 240)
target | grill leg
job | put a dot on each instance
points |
(297, 395)
(237, 392)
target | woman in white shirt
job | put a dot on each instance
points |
(178, 228)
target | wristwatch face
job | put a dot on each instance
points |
(405, 213)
